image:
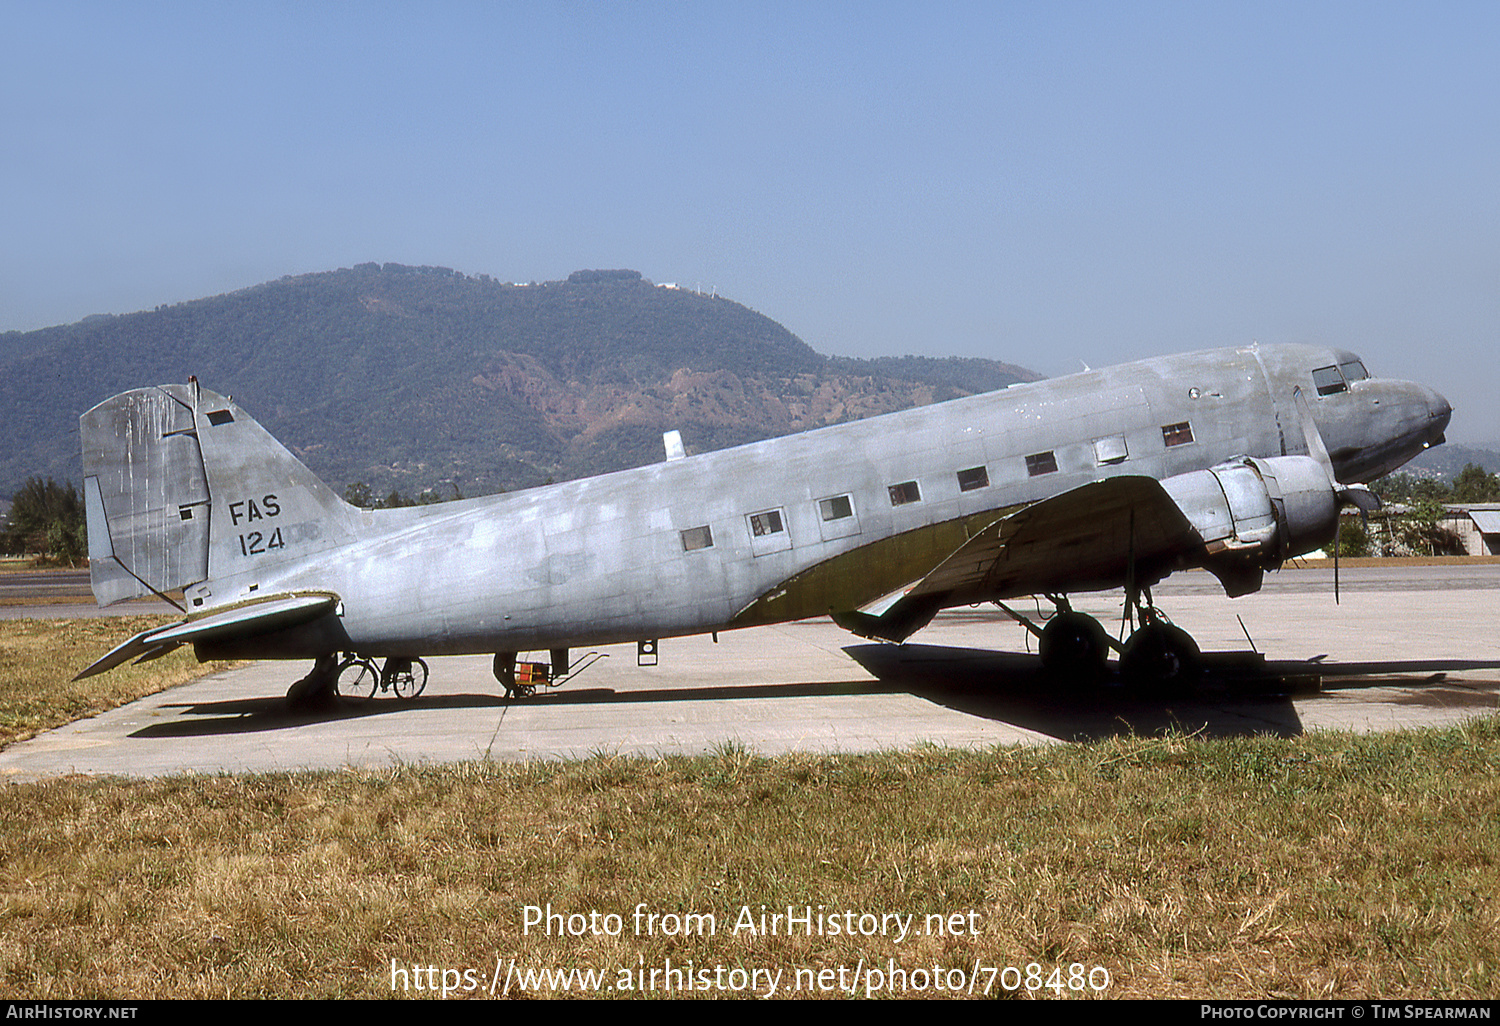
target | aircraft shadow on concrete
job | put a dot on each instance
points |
(1240, 695)
(249, 715)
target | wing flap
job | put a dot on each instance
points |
(1082, 540)
(1093, 537)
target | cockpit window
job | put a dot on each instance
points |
(1329, 381)
(1354, 371)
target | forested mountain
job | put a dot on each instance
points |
(1446, 461)
(413, 378)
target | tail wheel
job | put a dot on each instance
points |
(1073, 646)
(357, 678)
(505, 673)
(1161, 655)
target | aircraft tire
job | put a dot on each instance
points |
(1161, 656)
(1074, 648)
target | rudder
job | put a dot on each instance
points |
(145, 495)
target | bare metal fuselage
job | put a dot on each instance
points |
(623, 557)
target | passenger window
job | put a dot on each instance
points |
(769, 522)
(836, 508)
(974, 477)
(905, 492)
(1177, 434)
(1329, 381)
(697, 538)
(1041, 463)
(836, 518)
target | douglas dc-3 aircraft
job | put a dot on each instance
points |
(1232, 460)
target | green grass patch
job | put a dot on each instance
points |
(1331, 865)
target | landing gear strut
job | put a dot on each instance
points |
(1074, 646)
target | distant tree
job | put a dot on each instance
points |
(1432, 490)
(1474, 484)
(362, 495)
(359, 494)
(590, 277)
(1405, 487)
(1353, 537)
(1394, 487)
(1422, 532)
(47, 518)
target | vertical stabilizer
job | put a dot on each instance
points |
(183, 488)
(269, 510)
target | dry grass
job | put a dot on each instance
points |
(38, 659)
(1327, 866)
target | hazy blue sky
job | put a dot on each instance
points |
(1040, 182)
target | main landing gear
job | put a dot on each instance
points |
(1075, 647)
(1162, 655)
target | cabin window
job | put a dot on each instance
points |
(1329, 381)
(697, 538)
(974, 477)
(836, 517)
(1041, 463)
(217, 417)
(1354, 371)
(905, 492)
(1110, 450)
(769, 522)
(836, 508)
(768, 532)
(1177, 434)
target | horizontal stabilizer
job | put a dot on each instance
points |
(246, 620)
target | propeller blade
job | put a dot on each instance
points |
(1314, 438)
(1356, 495)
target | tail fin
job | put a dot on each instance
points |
(182, 487)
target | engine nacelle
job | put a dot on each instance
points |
(1255, 513)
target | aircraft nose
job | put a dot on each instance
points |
(1439, 412)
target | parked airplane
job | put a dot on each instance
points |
(1232, 460)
